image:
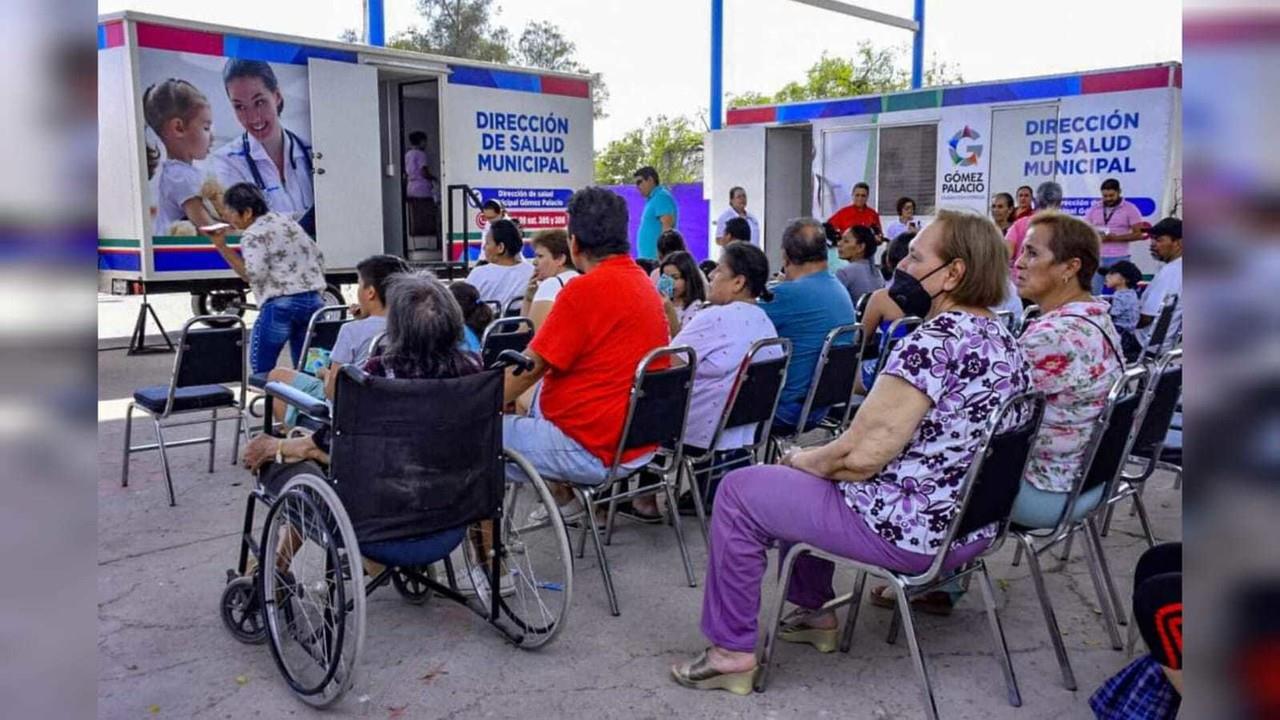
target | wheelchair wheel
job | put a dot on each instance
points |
(411, 584)
(241, 611)
(312, 590)
(537, 559)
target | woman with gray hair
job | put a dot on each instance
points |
(1048, 197)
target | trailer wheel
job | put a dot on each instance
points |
(332, 295)
(218, 302)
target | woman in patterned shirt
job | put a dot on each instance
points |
(887, 489)
(284, 268)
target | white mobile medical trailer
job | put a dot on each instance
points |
(346, 113)
(957, 147)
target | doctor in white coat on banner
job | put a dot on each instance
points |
(265, 154)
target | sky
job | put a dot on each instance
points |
(655, 56)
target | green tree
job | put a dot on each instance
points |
(463, 29)
(671, 145)
(871, 70)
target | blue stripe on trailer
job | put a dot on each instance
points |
(102, 37)
(251, 48)
(1006, 92)
(499, 79)
(188, 260)
(838, 108)
(120, 261)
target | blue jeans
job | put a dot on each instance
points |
(281, 319)
(1098, 280)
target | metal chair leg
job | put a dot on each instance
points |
(895, 624)
(612, 513)
(1066, 551)
(1110, 512)
(242, 428)
(586, 497)
(600, 555)
(687, 467)
(1132, 641)
(997, 636)
(128, 438)
(675, 524)
(1177, 481)
(1017, 555)
(164, 461)
(1050, 619)
(1117, 602)
(1144, 519)
(851, 618)
(904, 610)
(1100, 586)
(213, 437)
(774, 619)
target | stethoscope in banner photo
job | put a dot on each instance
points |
(308, 219)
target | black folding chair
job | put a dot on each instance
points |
(322, 332)
(208, 359)
(989, 488)
(753, 400)
(1162, 396)
(505, 334)
(1159, 340)
(656, 413)
(514, 307)
(1029, 314)
(860, 307)
(910, 323)
(1110, 440)
(835, 377)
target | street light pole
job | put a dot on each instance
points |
(917, 48)
(717, 62)
(375, 27)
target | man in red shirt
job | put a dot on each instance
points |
(858, 213)
(585, 353)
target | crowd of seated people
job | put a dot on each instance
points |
(883, 491)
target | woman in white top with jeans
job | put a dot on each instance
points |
(552, 269)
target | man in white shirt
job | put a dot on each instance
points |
(506, 275)
(1166, 246)
(738, 208)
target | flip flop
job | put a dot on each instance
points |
(699, 675)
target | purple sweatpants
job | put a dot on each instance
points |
(764, 504)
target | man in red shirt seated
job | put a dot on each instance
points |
(585, 353)
(858, 213)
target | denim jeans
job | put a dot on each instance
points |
(1098, 280)
(281, 319)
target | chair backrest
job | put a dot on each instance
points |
(1006, 317)
(322, 330)
(898, 329)
(836, 372)
(659, 404)
(1115, 430)
(1160, 329)
(992, 480)
(1165, 387)
(753, 398)
(210, 355)
(513, 307)
(413, 457)
(505, 334)
(860, 307)
(495, 306)
(1029, 313)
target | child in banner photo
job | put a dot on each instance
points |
(180, 115)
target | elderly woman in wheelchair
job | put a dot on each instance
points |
(407, 465)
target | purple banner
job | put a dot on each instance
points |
(691, 215)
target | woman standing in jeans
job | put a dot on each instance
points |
(284, 268)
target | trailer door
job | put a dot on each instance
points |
(736, 158)
(346, 146)
(1010, 160)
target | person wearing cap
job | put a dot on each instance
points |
(1118, 222)
(1122, 278)
(1166, 246)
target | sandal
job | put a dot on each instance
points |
(823, 640)
(699, 675)
(932, 603)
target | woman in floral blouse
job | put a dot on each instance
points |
(284, 268)
(886, 490)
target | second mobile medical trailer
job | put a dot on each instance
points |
(516, 135)
(956, 147)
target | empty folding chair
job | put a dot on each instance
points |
(1163, 391)
(505, 334)
(835, 377)
(753, 400)
(208, 359)
(656, 415)
(989, 489)
(1110, 440)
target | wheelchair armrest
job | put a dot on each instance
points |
(306, 404)
(511, 358)
(355, 373)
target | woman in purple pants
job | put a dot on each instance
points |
(886, 490)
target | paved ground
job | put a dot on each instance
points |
(163, 652)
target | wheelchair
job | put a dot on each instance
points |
(416, 471)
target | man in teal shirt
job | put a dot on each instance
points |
(659, 212)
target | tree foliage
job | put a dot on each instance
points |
(870, 71)
(465, 29)
(672, 145)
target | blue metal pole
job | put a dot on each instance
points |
(917, 48)
(717, 62)
(375, 21)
